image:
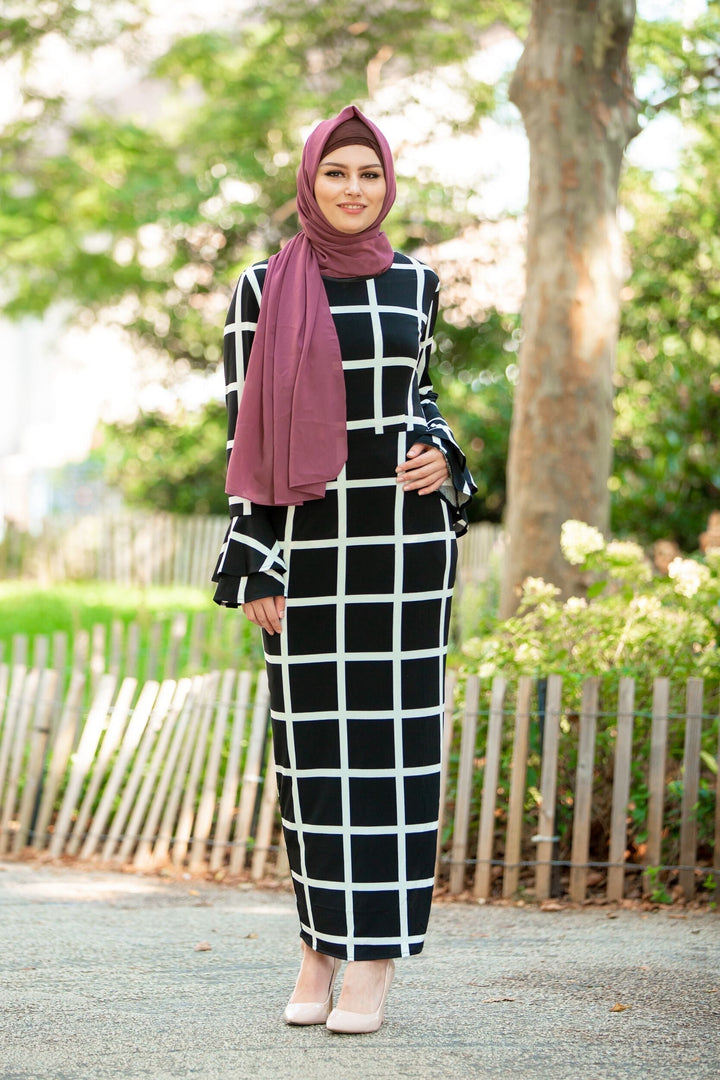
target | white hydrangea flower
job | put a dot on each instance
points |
(527, 654)
(646, 605)
(688, 576)
(626, 551)
(537, 589)
(578, 540)
(628, 557)
(712, 558)
(575, 604)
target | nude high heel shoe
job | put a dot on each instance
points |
(312, 1012)
(352, 1023)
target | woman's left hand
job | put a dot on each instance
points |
(424, 471)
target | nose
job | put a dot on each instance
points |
(353, 185)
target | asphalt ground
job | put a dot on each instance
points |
(100, 977)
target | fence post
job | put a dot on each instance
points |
(518, 775)
(464, 786)
(94, 726)
(486, 831)
(27, 700)
(208, 797)
(62, 744)
(691, 785)
(621, 788)
(545, 838)
(656, 777)
(231, 780)
(251, 774)
(35, 765)
(583, 790)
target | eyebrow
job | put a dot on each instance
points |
(339, 165)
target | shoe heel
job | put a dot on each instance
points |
(304, 1013)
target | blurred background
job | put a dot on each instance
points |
(149, 151)
(148, 154)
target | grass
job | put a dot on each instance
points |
(31, 609)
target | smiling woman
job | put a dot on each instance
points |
(349, 188)
(346, 492)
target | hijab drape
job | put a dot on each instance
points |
(291, 438)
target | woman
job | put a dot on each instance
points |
(346, 489)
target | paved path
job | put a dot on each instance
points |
(99, 978)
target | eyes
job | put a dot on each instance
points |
(369, 174)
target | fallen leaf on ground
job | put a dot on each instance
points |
(617, 1007)
(252, 934)
(203, 946)
(551, 905)
(491, 1001)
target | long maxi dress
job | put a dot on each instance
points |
(357, 676)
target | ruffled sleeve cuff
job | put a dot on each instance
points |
(459, 487)
(250, 564)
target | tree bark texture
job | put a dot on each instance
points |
(574, 90)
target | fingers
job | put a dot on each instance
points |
(267, 613)
(424, 471)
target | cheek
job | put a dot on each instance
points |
(323, 192)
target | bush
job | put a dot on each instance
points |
(632, 622)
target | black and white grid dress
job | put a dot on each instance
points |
(356, 677)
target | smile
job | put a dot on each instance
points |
(351, 206)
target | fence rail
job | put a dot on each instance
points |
(176, 772)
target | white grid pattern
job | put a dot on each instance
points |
(359, 802)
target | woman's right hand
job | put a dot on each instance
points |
(267, 613)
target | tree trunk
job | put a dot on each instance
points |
(573, 88)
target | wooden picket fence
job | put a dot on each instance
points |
(180, 772)
(136, 548)
(167, 772)
(180, 644)
(127, 547)
(501, 850)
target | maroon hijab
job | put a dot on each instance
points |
(290, 437)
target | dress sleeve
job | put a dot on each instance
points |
(250, 564)
(460, 487)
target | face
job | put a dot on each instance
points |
(350, 188)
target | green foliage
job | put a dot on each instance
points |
(474, 371)
(658, 894)
(161, 210)
(148, 216)
(177, 462)
(680, 62)
(666, 477)
(632, 623)
(174, 463)
(25, 23)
